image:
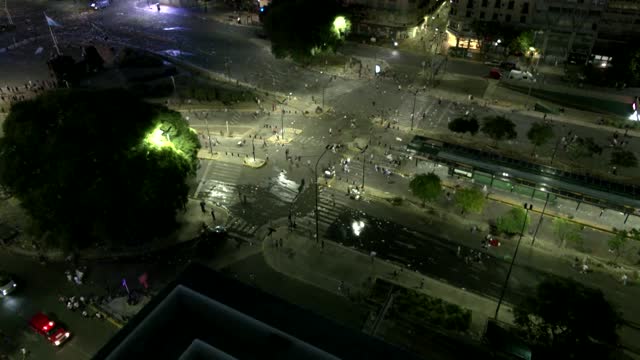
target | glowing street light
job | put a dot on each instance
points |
(341, 26)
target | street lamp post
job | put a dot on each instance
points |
(513, 260)
(6, 9)
(324, 88)
(315, 174)
(253, 146)
(282, 124)
(363, 163)
(413, 112)
(540, 221)
(206, 124)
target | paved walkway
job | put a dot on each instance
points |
(190, 224)
(332, 265)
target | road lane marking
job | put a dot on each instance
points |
(204, 177)
(444, 112)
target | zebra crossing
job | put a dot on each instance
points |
(428, 112)
(282, 188)
(240, 227)
(316, 141)
(219, 183)
(331, 204)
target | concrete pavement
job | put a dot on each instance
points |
(331, 265)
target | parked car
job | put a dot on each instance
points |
(52, 331)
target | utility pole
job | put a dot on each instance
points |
(513, 260)
(363, 163)
(540, 221)
(413, 112)
(206, 124)
(253, 145)
(282, 124)
(6, 9)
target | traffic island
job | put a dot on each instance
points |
(289, 136)
(255, 164)
(208, 155)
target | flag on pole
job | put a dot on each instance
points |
(50, 21)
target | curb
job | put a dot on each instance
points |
(107, 316)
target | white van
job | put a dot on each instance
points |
(520, 75)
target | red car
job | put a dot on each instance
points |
(46, 327)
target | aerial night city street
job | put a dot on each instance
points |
(353, 179)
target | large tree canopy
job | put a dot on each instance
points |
(301, 28)
(567, 320)
(97, 166)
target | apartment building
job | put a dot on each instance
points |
(619, 26)
(464, 12)
(395, 19)
(566, 30)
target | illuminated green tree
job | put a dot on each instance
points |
(98, 166)
(512, 222)
(471, 199)
(567, 232)
(426, 186)
(301, 29)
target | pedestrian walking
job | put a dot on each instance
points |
(421, 283)
(213, 215)
(330, 131)
(203, 206)
(624, 279)
(458, 251)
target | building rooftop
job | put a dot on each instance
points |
(205, 315)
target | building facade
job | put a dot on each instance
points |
(393, 19)
(618, 28)
(565, 30)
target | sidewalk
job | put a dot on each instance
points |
(190, 224)
(305, 260)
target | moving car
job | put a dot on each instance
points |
(99, 4)
(53, 332)
(7, 285)
(521, 75)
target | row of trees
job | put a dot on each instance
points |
(512, 40)
(428, 187)
(499, 128)
(562, 319)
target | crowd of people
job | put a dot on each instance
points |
(12, 94)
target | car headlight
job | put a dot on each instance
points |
(14, 284)
(57, 343)
(67, 334)
(4, 292)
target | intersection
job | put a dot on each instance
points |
(426, 242)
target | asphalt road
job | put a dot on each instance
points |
(236, 50)
(38, 290)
